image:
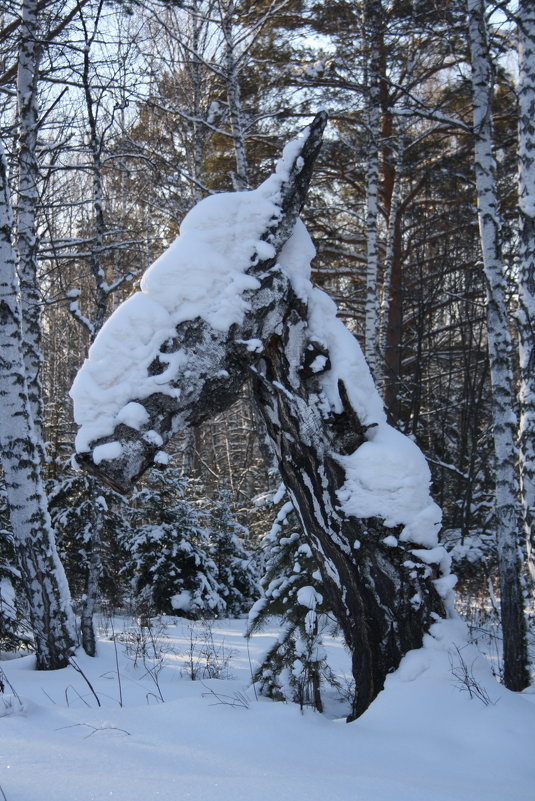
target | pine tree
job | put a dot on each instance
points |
(295, 668)
(170, 566)
(236, 568)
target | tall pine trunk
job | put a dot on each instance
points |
(507, 517)
(392, 256)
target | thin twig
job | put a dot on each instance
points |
(117, 665)
(238, 701)
(48, 696)
(70, 687)
(78, 669)
(4, 680)
(94, 728)
(251, 670)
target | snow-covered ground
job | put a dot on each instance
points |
(424, 739)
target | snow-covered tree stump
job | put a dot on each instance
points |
(232, 299)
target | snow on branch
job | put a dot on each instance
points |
(231, 298)
(177, 352)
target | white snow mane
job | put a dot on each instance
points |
(201, 275)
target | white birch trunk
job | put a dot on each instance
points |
(526, 267)
(371, 45)
(390, 245)
(94, 571)
(500, 357)
(27, 202)
(43, 576)
(102, 296)
(232, 79)
(197, 24)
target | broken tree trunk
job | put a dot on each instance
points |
(361, 488)
(377, 587)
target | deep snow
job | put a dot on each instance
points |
(423, 739)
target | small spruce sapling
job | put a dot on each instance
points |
(72, 509)
(170, 566)
(295, 668)
(236, 568)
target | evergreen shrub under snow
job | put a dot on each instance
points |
(184, 559)
(295, 668)
(78, 503)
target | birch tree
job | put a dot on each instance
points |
(226, 13)
(372, 42)
(507, 517)
(526, 266)
(95, 102)
(27, 202)
(43, 576)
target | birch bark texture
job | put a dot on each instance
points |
(508, 513)
(27, 203)
(383, 570)
(372, 42)
(44, 579)
(227, 11)
(526, 267)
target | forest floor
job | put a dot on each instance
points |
(144, 731)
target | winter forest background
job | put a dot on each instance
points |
(116, 119)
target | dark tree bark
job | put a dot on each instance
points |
(368, 583)
(380, 588)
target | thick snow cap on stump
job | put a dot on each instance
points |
(214, 273)
(181, 347)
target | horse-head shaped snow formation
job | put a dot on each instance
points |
(178, 351)
(231, 299)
